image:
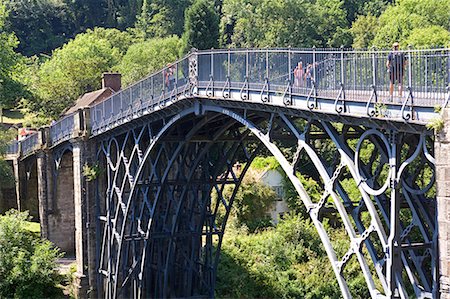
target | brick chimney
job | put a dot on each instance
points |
(112, 80)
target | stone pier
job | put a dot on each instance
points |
(442, 155)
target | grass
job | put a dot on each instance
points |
(34, 227)
(12, 117)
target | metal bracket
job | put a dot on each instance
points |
(313, 94)
(408, 116)
(226, 91)
(244, 87)
(265, 97)
(194, 91)
(187, 91)
(373, 96)
(287, 100)
(341, 97)
(210, 93)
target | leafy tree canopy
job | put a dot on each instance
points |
(11, 89)
(40, 25)
(76, 68)
(201, 26)
(160, 18)
(297, 23)
(148, 56)
(399, 21)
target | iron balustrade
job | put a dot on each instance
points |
(358, 73)
(63, 129)
(144, 95)
(13, 148)
(30, 144)
(340, 74)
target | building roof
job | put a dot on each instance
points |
(90, 98)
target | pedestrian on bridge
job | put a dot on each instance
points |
(396, 68)
(298, 75)
(169, 77)
(309, 75)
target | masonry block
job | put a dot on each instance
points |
(61, 214)
(442, 156)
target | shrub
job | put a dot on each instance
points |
(27, 263)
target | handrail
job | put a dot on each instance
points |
(340, 74)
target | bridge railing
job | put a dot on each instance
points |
(13, 148)
(142, 97)
(30, 144)
(329, 73)
(63, 129)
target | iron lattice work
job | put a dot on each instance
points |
(160, 232)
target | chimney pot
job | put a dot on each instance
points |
(112, 80)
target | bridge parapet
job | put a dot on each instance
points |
(352, 82)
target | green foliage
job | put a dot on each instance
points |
(436, 124)
(401, 21)
(292, 198)
(201, 26)
(251, 203)
(283, 262)
(363, 31)
(91, 172)
(74, 69)
(33, 120)
(381, 109)
(148, 56)
(40, 25)
(429, 37)
(296, 23)
(160, 18)
(262, 163)
(11, 90)
(27, 263)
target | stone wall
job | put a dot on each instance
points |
(61, 210)
(442, 155)
(8, 198)
(29, 184)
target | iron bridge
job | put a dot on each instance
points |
(166, 145)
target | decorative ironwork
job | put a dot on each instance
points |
(159, 227)
(161, 230)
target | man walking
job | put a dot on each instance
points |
(396, 67)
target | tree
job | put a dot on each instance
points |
(266, 23)
(76, 68)
(160, 18)
(252, 203)
(11, 89)
(364, 30)
(148, 56)
(429, 37)
(398, 21)
(27, 263)
(330, 20)
(201, 26)
(40, 25)
(297, 23)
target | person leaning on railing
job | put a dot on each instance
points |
(396, 68)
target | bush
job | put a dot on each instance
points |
(287, 261)
(27, 263)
